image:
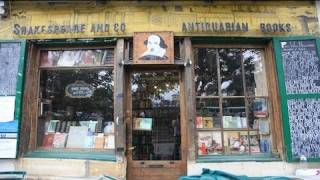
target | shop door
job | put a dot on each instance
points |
(155, 126)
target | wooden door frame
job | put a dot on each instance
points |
(181, 164)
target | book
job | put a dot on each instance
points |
(59, 140)
(264, 126)
(99, 141)
(227, 121)
(63, 126)
(77, 137)
(89, 141)
(68, 126)
(109, 142)
(109, 128)
(259, 108)
(52, 125)
(47, 141)
(207, 122)
(199, 123)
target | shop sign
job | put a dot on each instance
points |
(234, 27)
(79, 89)
(153, 48)
(62, 29)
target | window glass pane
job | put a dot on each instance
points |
(76, 109)
(156, 116)
(255, 72)
(208, 113)
(88, 57)
(234, 113)
(206, 79)
(231, 72)
(259, 143)
(209, 142)
(258, 111)
(236, 142)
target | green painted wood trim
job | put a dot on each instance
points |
(284, 97)
(76, 42)
(61, 154)
(19, 89)
(238, 158)
(233, 40)
(19, 85)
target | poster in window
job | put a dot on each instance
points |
(153, 48)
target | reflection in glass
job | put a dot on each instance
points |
(231, 72)
(209, 142)
(255, 72)
(156, 107)
(79, 121)
(87, 57)
(236, 142)
(206, 79)
(208, 113)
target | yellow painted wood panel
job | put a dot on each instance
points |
(157, 16)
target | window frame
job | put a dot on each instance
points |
(275, 150)
(33, 151)
(284, 97)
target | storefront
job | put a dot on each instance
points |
(156, 90)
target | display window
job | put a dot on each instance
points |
(76, 103)
(232, 103)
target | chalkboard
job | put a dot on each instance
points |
(301, 66)
(9, 63)
(304, 121)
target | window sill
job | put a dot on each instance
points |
(74, 154)
(238, 158)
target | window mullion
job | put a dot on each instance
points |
(220, 98)
(245, 98)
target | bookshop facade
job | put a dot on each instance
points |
(143, 90)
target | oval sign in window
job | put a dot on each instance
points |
(79, 89)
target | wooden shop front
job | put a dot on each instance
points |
(145, 90)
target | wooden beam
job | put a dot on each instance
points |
(276, 121)
(29, 119)
(189, 96)
(120, 138)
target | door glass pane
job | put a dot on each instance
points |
(231, 72)
(155, 116)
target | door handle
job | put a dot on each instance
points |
(131, 148)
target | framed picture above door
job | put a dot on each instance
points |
(153, 48)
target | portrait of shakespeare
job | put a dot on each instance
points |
(156, 48)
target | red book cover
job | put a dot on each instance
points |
(48, 140)
(199, 123)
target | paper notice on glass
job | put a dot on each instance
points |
(7, 108)
(8, 148)
(143, 124)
